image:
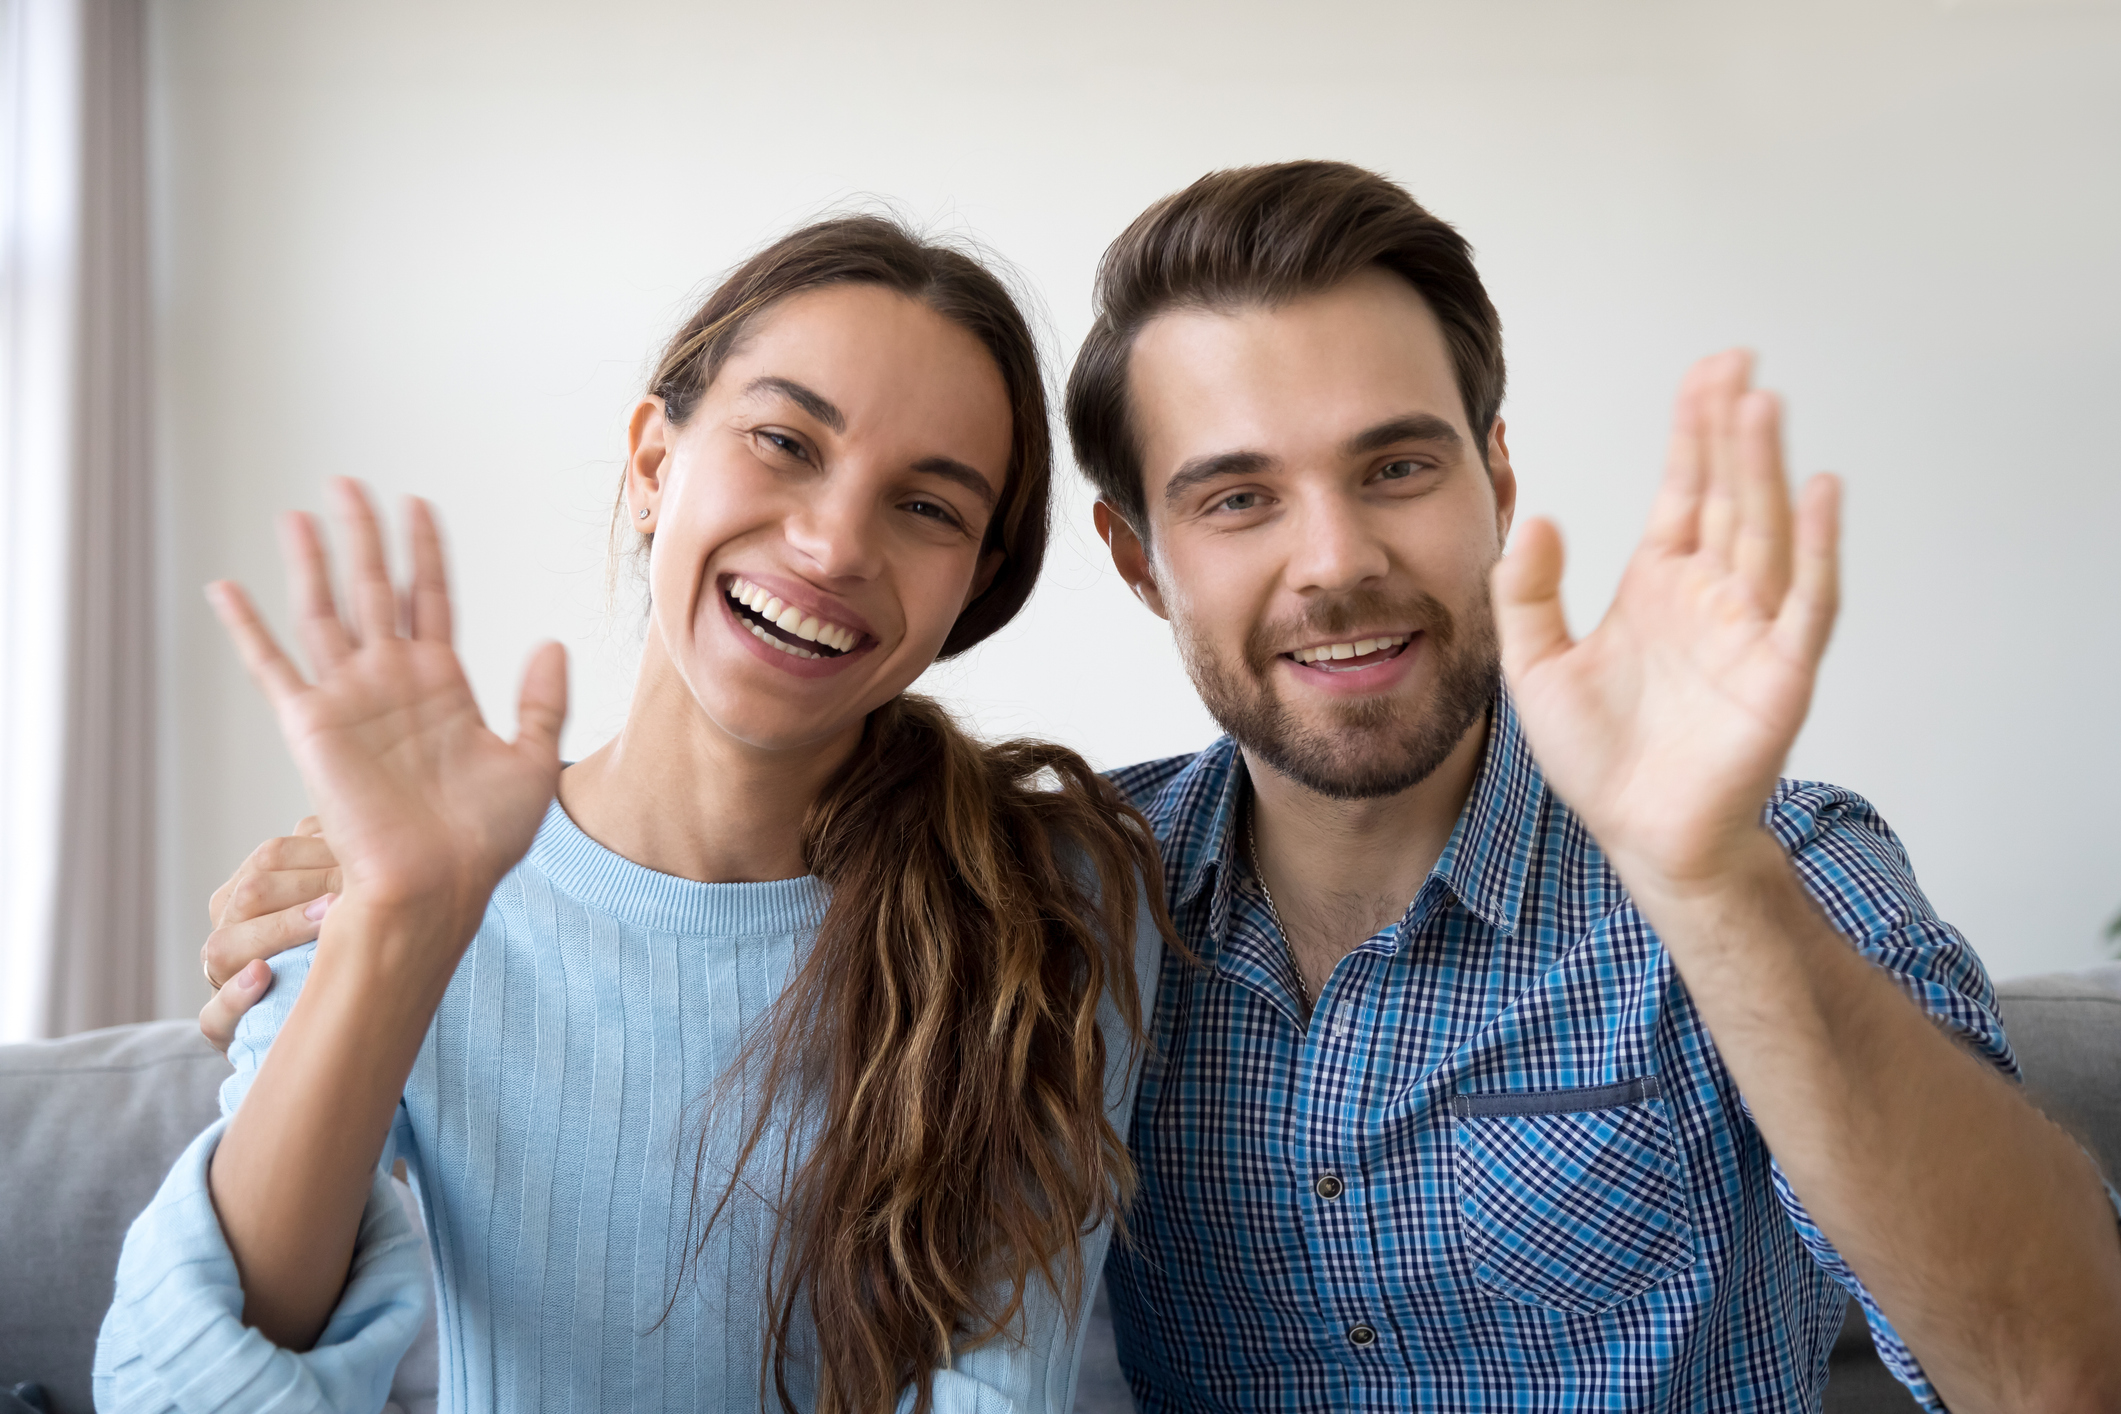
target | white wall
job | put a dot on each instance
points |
(433, 246)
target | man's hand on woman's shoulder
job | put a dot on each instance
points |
(275, 900)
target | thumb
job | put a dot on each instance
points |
(541, 708)
(1527, 586)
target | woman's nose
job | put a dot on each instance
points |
(838, 532)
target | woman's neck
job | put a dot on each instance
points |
(675, 794)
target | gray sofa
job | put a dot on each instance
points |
(90, 1124)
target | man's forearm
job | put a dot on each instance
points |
(1980, 1226)
(293, 1171)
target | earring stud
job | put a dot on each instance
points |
(644, 513)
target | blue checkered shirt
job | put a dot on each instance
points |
(1503, 1167)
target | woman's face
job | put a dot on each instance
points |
(818, 519)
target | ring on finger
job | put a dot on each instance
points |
(208, 968)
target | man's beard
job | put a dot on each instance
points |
(1368, 747)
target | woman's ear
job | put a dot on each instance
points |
(1129, 556)
(990, 565)
(648, 438)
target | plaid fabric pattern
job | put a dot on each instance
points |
(1503, 1166)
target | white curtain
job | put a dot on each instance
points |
(77, 611)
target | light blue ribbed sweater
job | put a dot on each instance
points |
(545, 1125)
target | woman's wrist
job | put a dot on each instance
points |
(398, 957)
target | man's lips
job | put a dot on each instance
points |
(1350, 654)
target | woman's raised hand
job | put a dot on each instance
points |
(425, 807)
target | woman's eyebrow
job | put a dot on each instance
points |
(950, 469)
(808, 399)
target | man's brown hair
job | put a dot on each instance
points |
(1267, 235)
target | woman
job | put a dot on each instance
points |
(796, 1051)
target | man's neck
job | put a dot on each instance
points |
(1340, 870)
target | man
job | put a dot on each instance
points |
(1543, 1050)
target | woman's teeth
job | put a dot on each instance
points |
(789, 619)
(1357, 649)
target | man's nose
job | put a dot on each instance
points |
(1337, 547)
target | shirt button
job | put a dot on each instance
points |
(1328, 1187)
(1361, 1336)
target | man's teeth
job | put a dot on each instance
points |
(1348, 650)
(789, 618)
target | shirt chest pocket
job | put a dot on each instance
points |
(1571, 1199)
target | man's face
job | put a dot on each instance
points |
(1320, 530)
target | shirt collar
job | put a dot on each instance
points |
(1484, 864)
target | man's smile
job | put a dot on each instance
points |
(1351, 655)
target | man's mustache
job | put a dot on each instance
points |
(1342, 614)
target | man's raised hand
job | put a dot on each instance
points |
(1665, 727)
(425, 807)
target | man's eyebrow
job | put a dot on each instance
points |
(1213, 467)
(808, 399)
(1414, 427)
(950, 469)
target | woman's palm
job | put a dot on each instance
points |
(423, 804)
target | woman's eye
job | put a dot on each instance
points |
(1238, 501)
(933, 510)
(784, 444)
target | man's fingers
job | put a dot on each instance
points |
(1806, 621)
(218, 1018)
(259, 892)
(1724, 381)
(1527, 590)
(317, 626)
(269, 668)
(1761, 550)
(541, 710)
(1675, 516)
(308, 825)
(428, 599)
(368, 591)
(231, 948)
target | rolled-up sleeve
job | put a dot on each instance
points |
(174, 1337)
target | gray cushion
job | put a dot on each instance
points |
(2066, 1028)
(92, 1123)
(88, 1128)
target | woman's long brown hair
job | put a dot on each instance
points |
(940, 1038)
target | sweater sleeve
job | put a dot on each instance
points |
(1035, 1373)
(174, 1338)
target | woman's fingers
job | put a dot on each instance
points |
(541, 709)
(231, 948)
(428, 615)
(269, 668)
(368, 591)
(218, 1018)
(317, 624)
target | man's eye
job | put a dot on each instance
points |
(1238, 501)
(1398, 471)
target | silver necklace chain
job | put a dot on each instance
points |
(1259, 876)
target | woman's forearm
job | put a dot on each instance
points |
(293, 1170)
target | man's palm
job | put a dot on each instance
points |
(1666, 727)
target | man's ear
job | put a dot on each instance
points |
(1503, 477)
(648, 439)
(1129, 556)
